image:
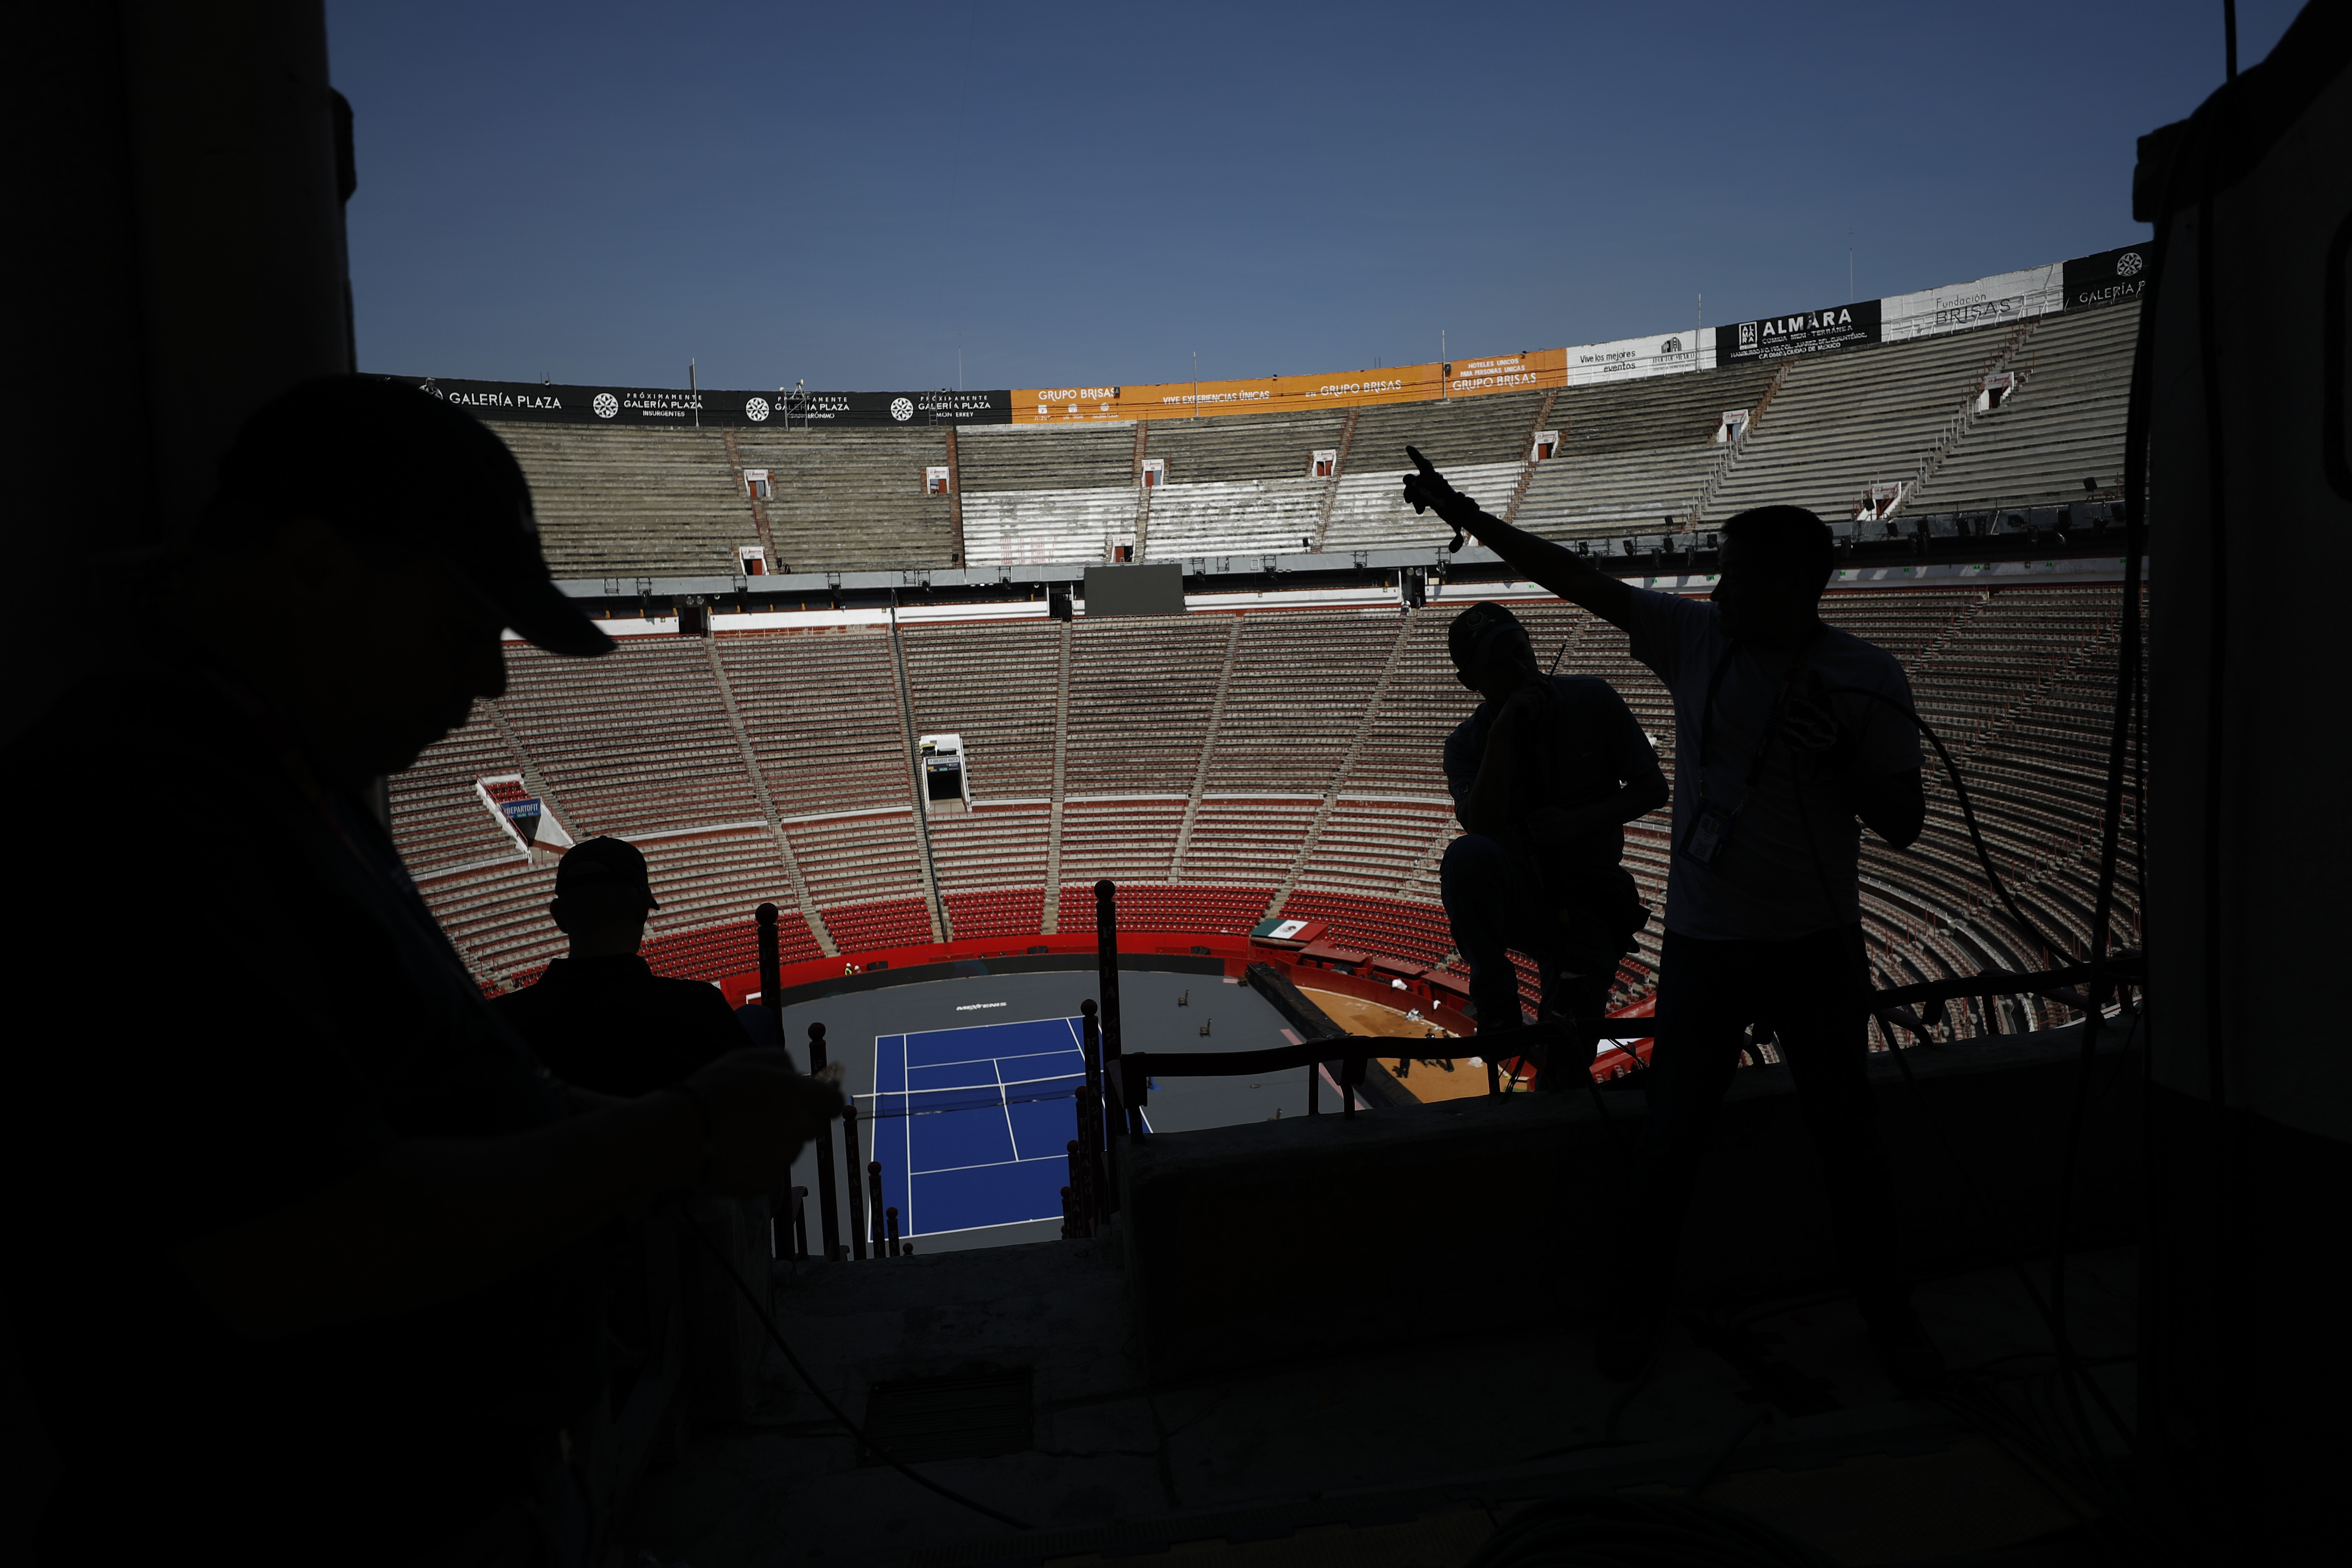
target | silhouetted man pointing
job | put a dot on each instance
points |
(1775, 769)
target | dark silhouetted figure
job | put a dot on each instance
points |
(303, 1264)
(1544, 777)
(601, 1019)
(1775, 772)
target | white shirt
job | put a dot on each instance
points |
(1792, 861)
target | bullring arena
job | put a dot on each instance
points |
(809, 590)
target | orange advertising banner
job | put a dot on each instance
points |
(1293, 394)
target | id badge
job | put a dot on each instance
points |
(1709, 834)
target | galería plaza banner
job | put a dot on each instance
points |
(689, 408)
(2112, 277)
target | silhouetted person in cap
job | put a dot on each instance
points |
(302, 1258)
(1544, 777)
(1783, 752)
(601, 1019)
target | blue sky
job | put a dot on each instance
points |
(1090, 195)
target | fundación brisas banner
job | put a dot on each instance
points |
(679, 408)
(2009, 298)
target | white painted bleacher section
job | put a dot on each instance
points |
(1039, 528)
(1634, 454)
(1231, 448)
(1241, 517)
(1370, 511)
(1479, 442)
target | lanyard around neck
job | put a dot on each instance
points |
(1771, 725)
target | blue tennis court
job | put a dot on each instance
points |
(973, 1125)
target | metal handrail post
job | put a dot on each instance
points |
(828, 1210)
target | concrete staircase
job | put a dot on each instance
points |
(1339, 774)
(1051, 925)
(1208, 749)
(801, 899)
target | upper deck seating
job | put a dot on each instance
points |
(858, 859)
(995, 458)
(1129, 840)
(1376, 846)
(632, 502)
(1238, 448)
(1240, 517)
(1027, 528)
(1633, 454)
(2062, 425)
(1842, 422)
(851, 499)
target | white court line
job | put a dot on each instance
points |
(1001, 1082)
(1000, 1057)
(907, 1134)
(976, 1028)
(994, 1165)
(1005, 1100)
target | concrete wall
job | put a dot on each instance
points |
(1258, 1242)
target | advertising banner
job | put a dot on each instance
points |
(1665, 354)
(2010, 297)
(1183, 399)
(710, 406)
(1506, 372)
(2110, 278)
(1806, 332)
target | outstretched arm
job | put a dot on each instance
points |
(1564, 572)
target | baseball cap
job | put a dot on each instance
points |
(391, 463)
(600, 865)
(1473, 634)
